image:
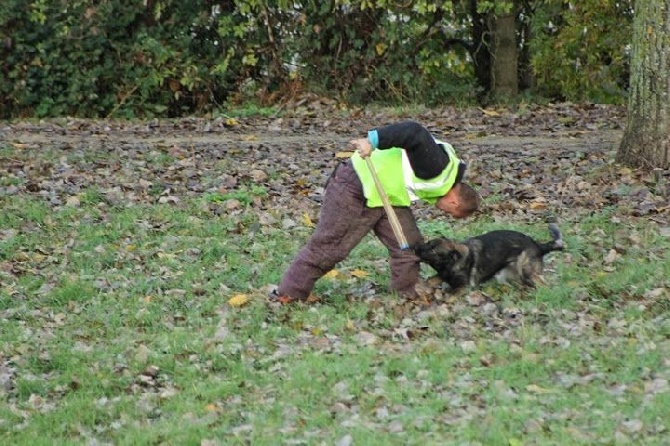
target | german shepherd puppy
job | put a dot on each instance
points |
(503, 254)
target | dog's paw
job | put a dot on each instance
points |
(434, 281)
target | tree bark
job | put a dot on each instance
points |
(481, 51)
(525, 31)
(646, 140)
(504, 74)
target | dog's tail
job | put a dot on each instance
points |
(556, 243)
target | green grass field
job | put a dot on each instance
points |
(115, 328)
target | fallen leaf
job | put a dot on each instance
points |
(306, 220)
(332, 274)
(632, 426)
(347, 440)
(533, 388)
(396, 426)
(238, 300)
(535, 205)
(658, 385)
(312, 298)
(359, 273)
(489, 112)
(168, 199)
(258, 175)
(475, 298)
(232, 204)
(486, 361)
(73, 202)
(468, 346)
(366, 338)
(151, 371)
(611, 256)
(211, 408)
(142, 353)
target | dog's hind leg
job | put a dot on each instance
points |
(529, 268)
(508, 274)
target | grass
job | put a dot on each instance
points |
(116, 329)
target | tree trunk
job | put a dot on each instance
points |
(646, 140)
(526, 76)
(505, 56)
(481, 51)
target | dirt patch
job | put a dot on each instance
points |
(557, 159)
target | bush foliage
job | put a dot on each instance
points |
(168, 58)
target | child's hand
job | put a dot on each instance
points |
(362, 146)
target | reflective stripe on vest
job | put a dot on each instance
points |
(434, 188)
(398, 179)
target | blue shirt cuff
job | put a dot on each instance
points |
(373, 138)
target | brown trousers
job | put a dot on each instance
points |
(344, 221)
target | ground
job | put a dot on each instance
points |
(528, 163)
(132, 254)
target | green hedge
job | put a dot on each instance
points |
(144, 58)
(115, 58)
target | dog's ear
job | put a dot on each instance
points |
(446, 243)
(426, 247)
(462, 249)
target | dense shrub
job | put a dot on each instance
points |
(115, 57)
(580, 49)
(380, 54)
(127, 58)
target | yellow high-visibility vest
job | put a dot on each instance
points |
(398, 180)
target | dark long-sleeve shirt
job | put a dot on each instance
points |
(425, 156)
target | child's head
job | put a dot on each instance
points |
(461, 201)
